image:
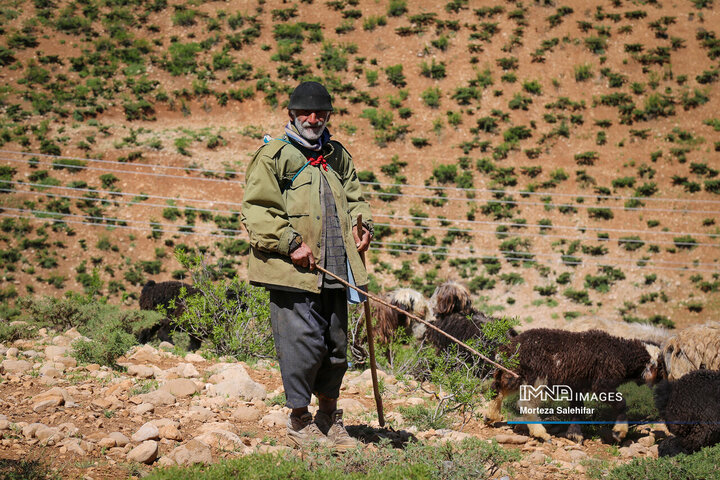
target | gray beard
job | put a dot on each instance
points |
(308, 133)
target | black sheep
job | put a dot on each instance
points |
(588, 362)
(690, 407)
(154, 295)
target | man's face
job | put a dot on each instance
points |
(310, 124)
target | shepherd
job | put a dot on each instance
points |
(301, 206)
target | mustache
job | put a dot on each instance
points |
(318, 124)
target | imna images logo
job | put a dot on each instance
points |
(560, 393)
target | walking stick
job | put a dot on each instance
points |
(371, 341)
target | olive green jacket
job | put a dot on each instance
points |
(276, 208)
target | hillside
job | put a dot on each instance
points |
(562, 159)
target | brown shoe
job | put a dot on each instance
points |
(332, 426)
(303, 432)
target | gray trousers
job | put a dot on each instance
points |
(310, 332)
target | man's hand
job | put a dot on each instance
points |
(303, 257)
(363, 243)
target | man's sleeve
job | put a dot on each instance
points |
(354, 194)
(263, 210)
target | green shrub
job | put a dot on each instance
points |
(472, 458)
(395, 75)
(108, 342)
(397, 8)
(234, 317)
(702, 464)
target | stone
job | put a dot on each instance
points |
(142, 409)
(191, 453)
(243, 388)
(276, 418)
(146, 432)
(245, 413)
(146, 452)
(180, 387)
(140, 371)
(15, 366)
(55, 351)
(12, 352)
(158, 397)
(577, 456)
(107, 442)
(44, 405)
(648, 441)
(58, 395)
(120, 439)
(67, 362)
(351, 405)
(186, 370)
(145, 354)
(166, 346)
(221, 439)
(73, 445)
(201, 414)
(511, 439)
(537, 458)
(194, 358)
(61, 340)
(170, 432)
(29, 430)
(50, 371)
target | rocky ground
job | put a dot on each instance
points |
(91, 422)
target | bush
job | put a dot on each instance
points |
(702, 464)
(234, 317)
(108, 343)
(471, 458)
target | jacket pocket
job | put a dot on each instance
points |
(297, 196)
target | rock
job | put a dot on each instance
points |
(350, 405)
(120, 439)
(61, 340)
(140, 371)
(44, 405)
(191, 453)
(511, 439)
(633, 450)
(4, 423)
(648, 441)
(146, 452)
(276, 418)
(194, 358)
(15, 366)
(221, 439)
(145, 354)
(73, 445)
(199, 413)
(67, 362)
(180, 387)
(186, 370)
(158, 397)
(55, 351)
(50, 371)
(166, 346)
(92, 367)
(29, 431)
(243, 388)
(453, 436)
(11, 352)
(245, 413)
(170, 432)
(58, 396)
(107, 442)
(537, 458)
(146, 432)
(577, 456)
(142, 409)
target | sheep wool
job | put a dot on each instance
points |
(690, 407)
(692, 348)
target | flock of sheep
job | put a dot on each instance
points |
(589, 356)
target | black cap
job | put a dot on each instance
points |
(310, 96)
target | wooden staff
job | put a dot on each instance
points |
(414, 317)
(371, 341)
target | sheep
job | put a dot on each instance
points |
(388, 321)
(692, 348)
(454, 314)
(587, 362)
(690, 407)
(154, 295)
(644, 332)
